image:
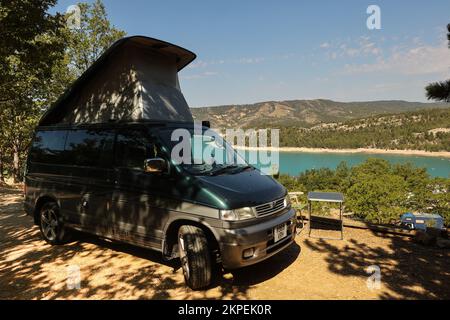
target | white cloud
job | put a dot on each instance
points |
(322, 79)
(287, 56)
(199, 75)
(416, 40)
(250, 60)
(352, 48)
(351, 52)
(419, 60)
(383, 87)
(244, 60)
(364, 47)
(198, 64)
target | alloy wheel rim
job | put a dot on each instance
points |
(183, 257)
(49, 224)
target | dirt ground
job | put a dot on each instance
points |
(309, 269)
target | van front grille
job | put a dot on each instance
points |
(270, 207)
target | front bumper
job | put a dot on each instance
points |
(258, 236)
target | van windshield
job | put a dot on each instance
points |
(202, 152)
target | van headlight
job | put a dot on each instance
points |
(237, 214)
(287, 201)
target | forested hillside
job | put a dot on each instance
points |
(420, 130)
(302, 113)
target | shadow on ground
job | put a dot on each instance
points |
(32, 269)
(408, 270)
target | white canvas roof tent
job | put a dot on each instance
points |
(135, 79)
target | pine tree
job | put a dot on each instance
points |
(440, 91)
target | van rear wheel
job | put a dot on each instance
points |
(195, 256)
(51, 225)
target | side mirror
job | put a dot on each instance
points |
(155, 165)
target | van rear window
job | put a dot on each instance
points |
(48, 146)
(90, 147)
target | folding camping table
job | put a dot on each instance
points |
(334, 197)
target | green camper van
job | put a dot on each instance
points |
(102, 162)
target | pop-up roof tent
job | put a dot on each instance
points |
(135, 79)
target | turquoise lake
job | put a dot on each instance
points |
(294, 162)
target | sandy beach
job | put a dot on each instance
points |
(444, 154)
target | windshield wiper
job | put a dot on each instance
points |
(223, 169)
(243, 168)
(199, 168)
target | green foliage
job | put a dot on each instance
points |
(418, 184)
(95, 35)
(291, 183)
(378, 191)
(317, 179)
(376, 194)
(31, 41)
(39, 58)
(439, 91)
(30, 44)
(440, 198)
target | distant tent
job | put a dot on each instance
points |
(135, 79)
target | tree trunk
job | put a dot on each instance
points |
(2, 178)
(16, 162)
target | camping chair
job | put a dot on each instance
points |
(298, 206)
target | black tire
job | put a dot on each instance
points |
(195, 257)
(51, 224)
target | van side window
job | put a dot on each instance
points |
(89, 147)
(132, 148)
(48, 146)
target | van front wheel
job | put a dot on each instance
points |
(51, 225)
(195, 256)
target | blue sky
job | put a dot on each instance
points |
(250, 51)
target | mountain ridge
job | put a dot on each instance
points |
(302, 113)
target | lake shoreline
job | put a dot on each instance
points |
(444, 154)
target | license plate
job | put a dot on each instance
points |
(279, 232)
